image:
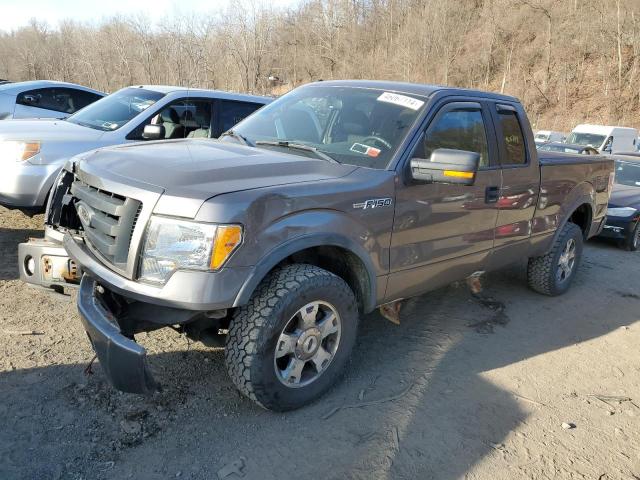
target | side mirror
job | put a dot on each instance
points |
(153, 132)
(446, 165)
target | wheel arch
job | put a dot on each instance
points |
(577, 208)
(335, 253)
(582, 216)
(581, 213)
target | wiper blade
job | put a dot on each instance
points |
(244, 140)
(299, 146)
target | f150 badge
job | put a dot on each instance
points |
(373, 203)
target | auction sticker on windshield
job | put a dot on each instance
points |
(401, 100)
(365, 149)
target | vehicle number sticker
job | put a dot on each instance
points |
(402, 100)
(365, 149)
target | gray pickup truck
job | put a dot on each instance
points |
(335, 199)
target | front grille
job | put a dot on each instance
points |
(108, 220)
(61, 214)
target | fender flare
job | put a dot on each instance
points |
(284, 250)
(581, 200)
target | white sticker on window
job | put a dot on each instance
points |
(402, 100)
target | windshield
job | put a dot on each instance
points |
(627, 173)
(113, 111)
(358, 126)
(586, 139)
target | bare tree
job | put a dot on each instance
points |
(567, 61)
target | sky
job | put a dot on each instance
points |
(15, 13)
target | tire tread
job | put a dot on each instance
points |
(541, 270)
(241, 350)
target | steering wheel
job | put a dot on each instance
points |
(377, 140)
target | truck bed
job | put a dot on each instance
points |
(565, 176)
(552, 158)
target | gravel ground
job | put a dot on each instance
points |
(460, 389)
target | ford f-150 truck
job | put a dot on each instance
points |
(335, 199)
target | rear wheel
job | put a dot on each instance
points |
(632, 242)
(552, 274)
(289, 344)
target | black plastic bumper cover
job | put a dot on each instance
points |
(124, 361)
(617, 228)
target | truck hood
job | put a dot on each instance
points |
(46, 130)
(188, 172)
(625, 196)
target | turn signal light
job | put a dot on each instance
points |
(458, 174)
(30, 149)
(228, 237)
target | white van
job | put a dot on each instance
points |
(605, 139)
(546, 136)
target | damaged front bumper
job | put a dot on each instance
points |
(123, 361)
(43, 262)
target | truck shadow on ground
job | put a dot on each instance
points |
(440, 416)
(9, 240)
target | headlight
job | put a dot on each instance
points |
(18, 151)
(620, 211)
(172, 244)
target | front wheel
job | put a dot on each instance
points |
(552, 274)
(289, 344)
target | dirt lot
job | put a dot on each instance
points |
(472, 391)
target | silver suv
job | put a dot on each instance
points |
(44, 99)
(34, 151)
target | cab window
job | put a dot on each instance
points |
(512, 138)
(458, 129)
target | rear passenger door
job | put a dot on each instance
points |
(520, 178)
(230, 112)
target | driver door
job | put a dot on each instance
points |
(444, 232)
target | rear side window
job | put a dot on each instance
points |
(65, 100)
(40, 98)
(459, 130)
(512, 138)
(231, 112)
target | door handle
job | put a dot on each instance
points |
(491, 194)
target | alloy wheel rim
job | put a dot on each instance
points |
(307, 344)
(567, 261)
